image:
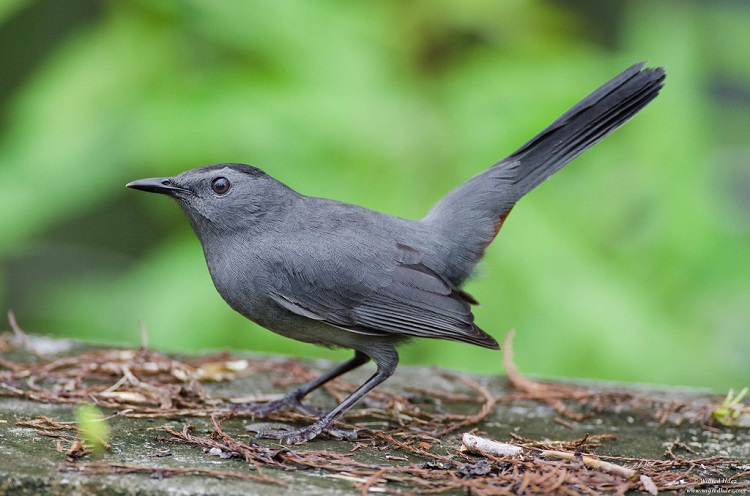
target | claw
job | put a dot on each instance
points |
(264, 409)
(298, 436)
(305, 434)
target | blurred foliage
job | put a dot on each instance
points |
(631, 264)
(93, 427)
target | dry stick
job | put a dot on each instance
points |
(20, 335)
(144, 334)
(701, 412)
(45, 423)
(597, 464)
(443, 395)
(536, 390)
(594, 463)
(17, 368)
(110, 468)
(372, 480)
(255, 453)
(514, 376)
(490, 401)
(406, 447)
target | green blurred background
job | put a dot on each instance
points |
(631, 264)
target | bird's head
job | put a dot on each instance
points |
(222, 198)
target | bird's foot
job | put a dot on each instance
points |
(288, 402)
(299, 436)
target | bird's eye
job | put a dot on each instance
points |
(220, 185)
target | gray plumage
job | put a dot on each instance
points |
(339, 275)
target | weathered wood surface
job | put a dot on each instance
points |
(34, 463)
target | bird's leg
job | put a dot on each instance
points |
(293, 399)
(386, 359)
(325, 423)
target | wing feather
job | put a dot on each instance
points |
(407, 299)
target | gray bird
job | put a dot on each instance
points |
(342, 276)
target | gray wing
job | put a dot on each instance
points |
(377, 297)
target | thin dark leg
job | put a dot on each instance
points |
(358, 360)
(293, 398)
(325, 423)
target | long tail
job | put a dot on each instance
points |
(469, 217)
(584, 125)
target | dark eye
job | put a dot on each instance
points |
(220, 185)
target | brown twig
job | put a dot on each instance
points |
(112, 468)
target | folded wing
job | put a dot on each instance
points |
(407, 299)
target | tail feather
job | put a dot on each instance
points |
(468, 218)
(584, 125)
